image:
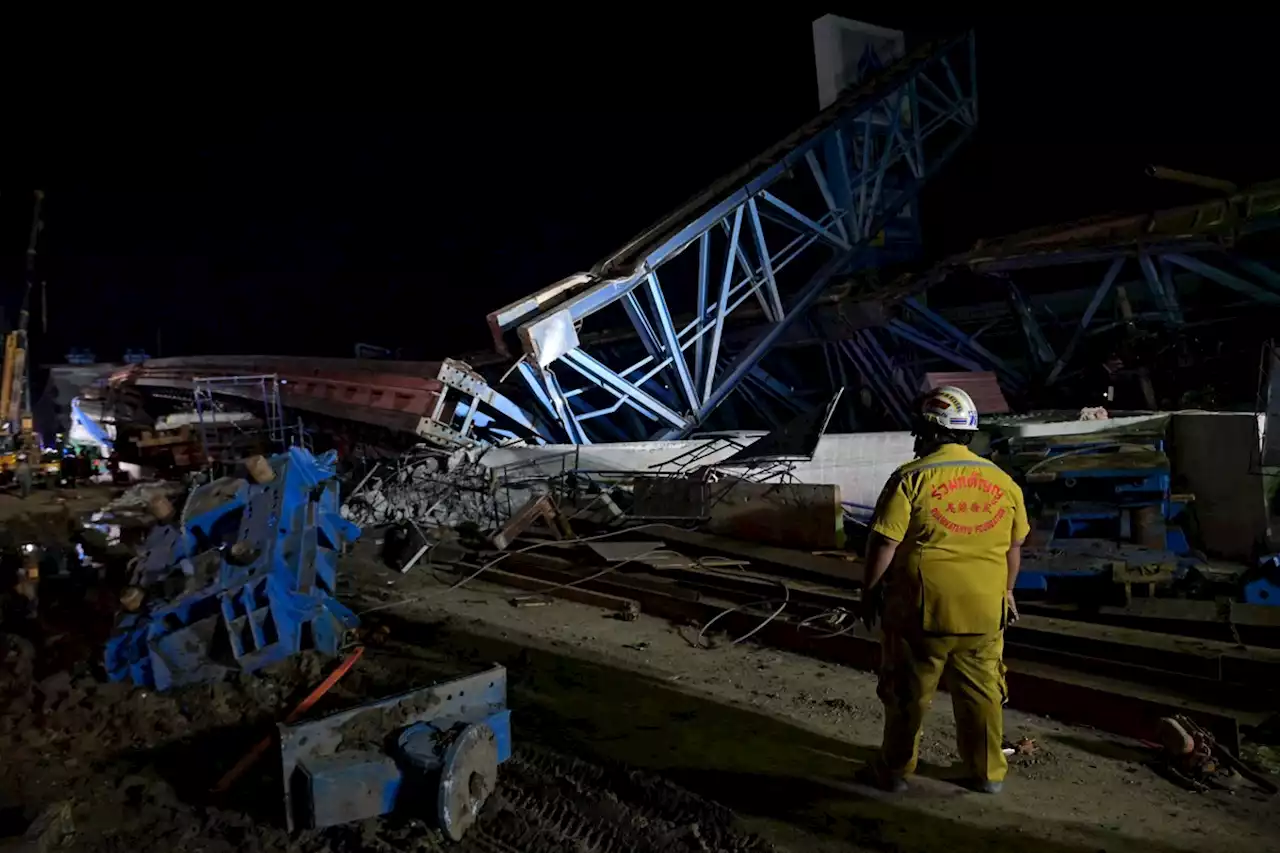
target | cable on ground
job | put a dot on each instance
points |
(786, 599)
(504, 555)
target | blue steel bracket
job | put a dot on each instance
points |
(836, 196)
(246, 579)
(389, 755)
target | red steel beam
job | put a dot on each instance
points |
(391, 394)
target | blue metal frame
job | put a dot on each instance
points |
(1158, 273)
(836, 196)
(263, 560)
(328, 781)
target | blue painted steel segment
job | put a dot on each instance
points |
(1170, 289)
(1224, 278)
(670, 341)
(1037, 343)
(1261, 271)
(863, 208)
(343, 767)
(610, 381)
(909, 333)
(819, 281)
(261, 563)
(1167, 301)
(704, 273)
(796, 216)
(1104, 288)
(722, 307)
(782, 159)
(766, 267)
(950, 331)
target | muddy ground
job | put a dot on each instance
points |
(628, 739)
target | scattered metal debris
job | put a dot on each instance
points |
(1193, 758)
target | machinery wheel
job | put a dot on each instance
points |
(469, 776)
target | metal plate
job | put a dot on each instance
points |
(469, 776)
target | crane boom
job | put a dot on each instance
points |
(15, 385)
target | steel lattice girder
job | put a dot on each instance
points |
(1202, 240)
(835, 196)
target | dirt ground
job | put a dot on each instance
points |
(627, 739)
(130, 769)
(778, 737)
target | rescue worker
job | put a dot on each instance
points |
(944, 552)
(23, 475)
(67, 464)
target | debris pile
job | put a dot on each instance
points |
(434, 488)
(139, 497)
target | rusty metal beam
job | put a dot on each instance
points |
(390, 394)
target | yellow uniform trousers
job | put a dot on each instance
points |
(912, 663)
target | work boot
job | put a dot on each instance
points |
(875, 778)
(982, 786)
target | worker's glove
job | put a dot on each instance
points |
(1011, 608)
(872, 605)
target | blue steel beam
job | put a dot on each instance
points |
(1095, 302)
(1224, 278)
(834, 197)
(1157, 281)
(946, 329)
(1260, 270)
(1037, 343)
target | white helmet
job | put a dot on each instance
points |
(950, 408)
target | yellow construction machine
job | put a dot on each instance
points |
(17, 429)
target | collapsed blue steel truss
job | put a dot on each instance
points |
(1171, 269)
(713, 287)
(1162, 272)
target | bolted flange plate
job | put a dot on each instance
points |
(469, 776)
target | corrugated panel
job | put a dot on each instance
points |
(982, 386)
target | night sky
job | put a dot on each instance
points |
(300, 196)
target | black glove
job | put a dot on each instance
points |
(872, 605)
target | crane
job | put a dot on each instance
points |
(15, 383)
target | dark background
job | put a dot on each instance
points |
(298, 191)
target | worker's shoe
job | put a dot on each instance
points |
(873, 777)
(983, 786)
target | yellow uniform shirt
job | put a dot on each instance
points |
(955, 515)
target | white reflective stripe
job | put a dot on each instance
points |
(952, 463)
